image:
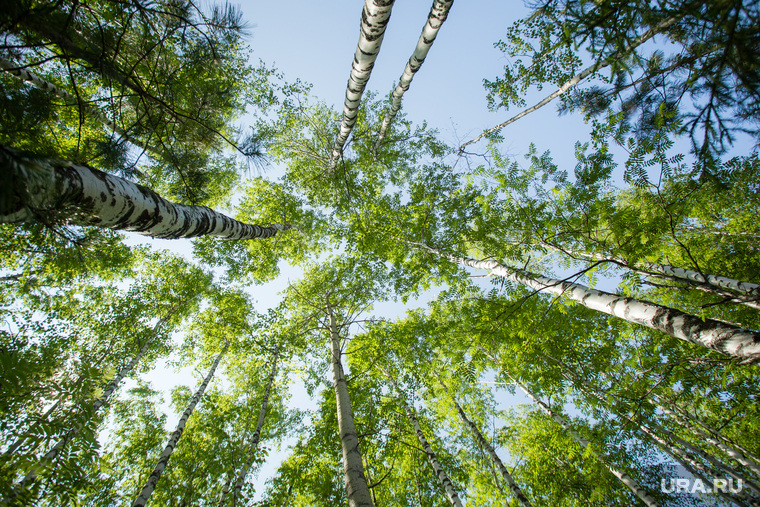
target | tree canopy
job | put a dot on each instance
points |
(367, 312)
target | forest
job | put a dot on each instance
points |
(453, 324)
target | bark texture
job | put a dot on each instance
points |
(357, 489)
(155, 475)
(56, 191)
(659, 28)
(742, 344)
(516, 491)
(438, 14)
(375, 17)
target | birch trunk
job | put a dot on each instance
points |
(46, 461)
(150, 485)
(516, 491)
(742, 344)
(626, 479)
(256, 434)
(659, 28)
(375, 17)
(445, 481)
(690, 422)
(735, 454)
(438, 14)
(79, 195)
(93, 112)
(749, 292)
(357, 490)
(660, 435)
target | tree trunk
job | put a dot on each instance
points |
(742, 344)
(375, 17)
(438, 14)
(691, 422)
(46, 461)
(750, 292)
(516, 491)
(357, 490)
(660, 435)
(661, 27)
(93, 112)
(150, 485)
(735, 454)
(80, 195)
(256, 434)
(445, 481)
(626, 479)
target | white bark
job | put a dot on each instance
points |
(438, 14)
(357, 490)
(155, 475)
(580, 77)
(445, 481)
(730, 340)
(79, 195)
(47, 460)
(735, 454)
(516, 491)
(375, 17)
(750, 292)
(626, 479)
(256, 434)
(95, 113)
(659, 435)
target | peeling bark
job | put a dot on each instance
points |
(155, 475)
(438, 14)
(56, 191)
(375, 17)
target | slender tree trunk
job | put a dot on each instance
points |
(257, 433)
(357, 490)
(626, 479)
(742, 344)
(749, 292)
(735, 454)
(516, 491)
(375, 17)
(445, 481)
(691, 422)
(659, 28)
(47, 460)
(84, 196)
(667, 441)
(438, 14)
(95, 113)
(150, 485)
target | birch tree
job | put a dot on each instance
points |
(375, 17)
(49, 191)
(438, 14)
(163, 460)
(514, 488)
